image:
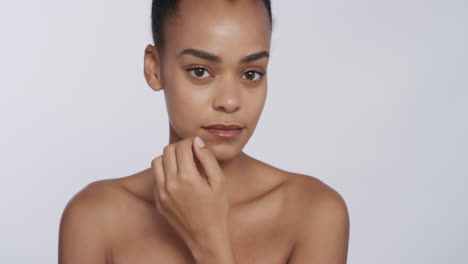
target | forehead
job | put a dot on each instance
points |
(226, 28)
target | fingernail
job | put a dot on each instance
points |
(199, 142)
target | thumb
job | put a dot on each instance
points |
(208, 161)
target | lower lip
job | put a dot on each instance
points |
(226, 134)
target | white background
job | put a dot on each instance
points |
(368, 96)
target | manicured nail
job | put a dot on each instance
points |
(199, 142)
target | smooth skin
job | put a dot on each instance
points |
(214, 204)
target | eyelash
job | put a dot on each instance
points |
(195, 68)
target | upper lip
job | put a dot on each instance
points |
(224, 126)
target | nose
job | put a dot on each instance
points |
(227, 98)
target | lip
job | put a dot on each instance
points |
(223, 126)
(229, 131)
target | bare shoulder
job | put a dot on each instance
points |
(315, 194)
(322, 226)
(87, 223)
(304, 190)
(98, 198)
(316, 200)
(308, 195)
(99, 203)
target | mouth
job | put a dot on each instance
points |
(223, 131)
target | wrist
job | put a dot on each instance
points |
(214, 248)
(214, 255)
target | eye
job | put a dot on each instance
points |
(251, 75)
(199, 72)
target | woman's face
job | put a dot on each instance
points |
(208, 73)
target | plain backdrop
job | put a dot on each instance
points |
(368, 96)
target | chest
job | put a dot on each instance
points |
(257, 237)
(255, 248)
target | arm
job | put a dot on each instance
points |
(324, 232)
(82, 232)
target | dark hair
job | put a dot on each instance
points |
(165, 9)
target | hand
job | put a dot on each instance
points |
(190, 192)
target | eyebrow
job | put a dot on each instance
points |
(211, 57)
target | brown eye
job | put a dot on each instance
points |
(198, 72)
(250, 75)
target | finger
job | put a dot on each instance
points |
(169, 164)
(186, 167)
(209, 163)
(159, 177)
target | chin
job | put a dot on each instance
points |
(225, 153)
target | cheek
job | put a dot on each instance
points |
(255, 101)
(255, 108)
(185, 109)
(175, 94)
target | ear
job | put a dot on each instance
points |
(152, 67)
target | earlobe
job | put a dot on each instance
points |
(152, 68)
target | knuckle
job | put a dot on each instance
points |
(166, 149)
(177, 145)
(187, 179)
(171, 186)
(169, 147)
(154, 162)
(163, 197)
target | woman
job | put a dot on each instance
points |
(204, 200)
